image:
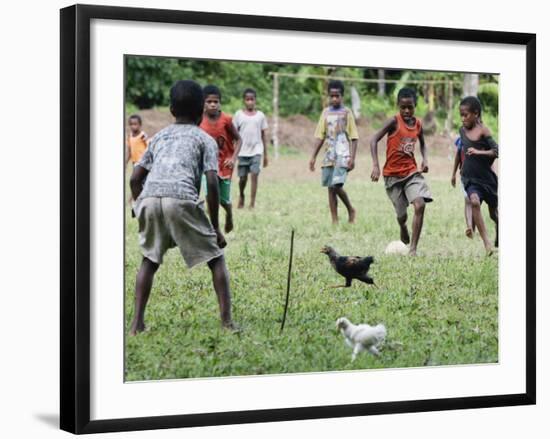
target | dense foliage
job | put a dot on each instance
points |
(148, 81)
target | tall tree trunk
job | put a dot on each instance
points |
(381, 82)
(471, 84)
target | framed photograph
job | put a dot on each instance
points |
(320, 219)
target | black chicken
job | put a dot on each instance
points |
(351, 267)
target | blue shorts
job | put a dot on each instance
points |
(333, 176)
(483, 194)
(249, 165)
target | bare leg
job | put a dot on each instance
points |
(253, 190)
(144, 283)
(228, 216)
(220, 279)
(493, 212)
(402, 221)
(419, 206)
(242, 186)
(480, 224)
(333, 205)
(470, 227)
(339, 190)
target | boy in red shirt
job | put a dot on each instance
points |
(220, 127)
(404, 182)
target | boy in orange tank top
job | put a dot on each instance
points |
(403, 181)
(136, 142)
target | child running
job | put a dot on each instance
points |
(136, 142)
(220, 127)
(478, 177)
(167, 206)
(404, 183)
(252, 127)
(459, 160)
(337, 130)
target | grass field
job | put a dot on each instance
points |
(440, 308)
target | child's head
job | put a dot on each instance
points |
(335, 92)
(187, 101)
(212, 99)
(470, 111)
(406, 101)
(249, 97)
(134, 122)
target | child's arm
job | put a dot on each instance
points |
(351, 163)
(213, 201)
(388, 127)
(456, 164)
(264, 141)
(128, 154)
(316, 148)
(491, 153)
(423, 151)
(139, 175)
(230, 163)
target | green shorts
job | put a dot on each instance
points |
(224, 188)
(404, 190)
(333, 176)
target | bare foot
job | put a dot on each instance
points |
(405, 235)
(251, 206)
(241, 202)
(231, 326)
(136, 328)
(228, 224)
(469, 233)
(489, 249)
(335, 222)
(412, 252)
(352, 214)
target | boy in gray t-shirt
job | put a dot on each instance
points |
(167, 205)
(252, 127)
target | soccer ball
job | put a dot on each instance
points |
(396, 248)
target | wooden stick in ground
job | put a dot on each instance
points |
(288, 279)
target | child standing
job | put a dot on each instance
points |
(252, 127)
(478, 177)
(220, 127)
(337, 130)
(136, 142)
(404, 183)
(167, 206)
(459, 160)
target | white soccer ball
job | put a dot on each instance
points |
(396, 248)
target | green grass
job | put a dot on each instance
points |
(440, 308)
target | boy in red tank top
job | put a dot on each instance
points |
(403, 181)
(219, 126)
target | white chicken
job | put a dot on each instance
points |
(362, 337)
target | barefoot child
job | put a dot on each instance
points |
(404, 183)
(459, 159)
(136, 142)
(167, 206)
(220, 127)
(336, 129)
(478, 177)
(252, 127)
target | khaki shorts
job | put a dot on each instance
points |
(169, 222)
(404, 190)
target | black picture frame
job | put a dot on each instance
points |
(75, 217)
